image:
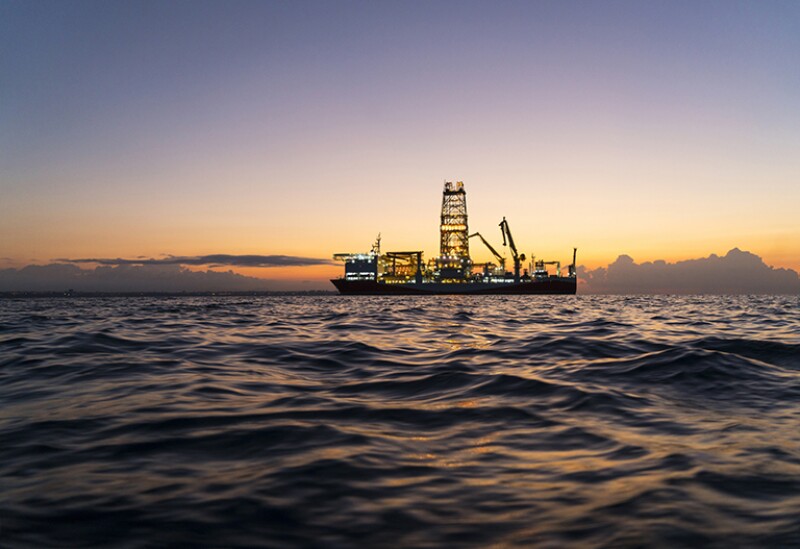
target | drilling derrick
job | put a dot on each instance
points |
(454, 261)
(454, 231)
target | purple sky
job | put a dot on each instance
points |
(659, 129)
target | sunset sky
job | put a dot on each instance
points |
(661, 130)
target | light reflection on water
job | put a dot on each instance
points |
(336, 421)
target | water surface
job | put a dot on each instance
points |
(400, 421)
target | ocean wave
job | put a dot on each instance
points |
(586, 421)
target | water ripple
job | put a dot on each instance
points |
(581, 421)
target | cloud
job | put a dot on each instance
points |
(737, 272)
(125, 278)
(216, 260)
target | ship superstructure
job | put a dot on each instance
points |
(453, 271)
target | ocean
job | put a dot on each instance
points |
(464, 421)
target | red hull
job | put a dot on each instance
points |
(551, 286)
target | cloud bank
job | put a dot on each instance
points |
(737, 272)
(59, 277)
(167, 274)
(213, 260)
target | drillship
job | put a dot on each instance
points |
(453, 272)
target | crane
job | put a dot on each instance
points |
(500, 258)
(518, 258)
(573, 269)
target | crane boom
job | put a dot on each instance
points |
(518, 259)
(496, 254)
(507, 237)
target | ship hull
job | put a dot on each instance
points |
(548, 286)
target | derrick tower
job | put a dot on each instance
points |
(454, 231)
